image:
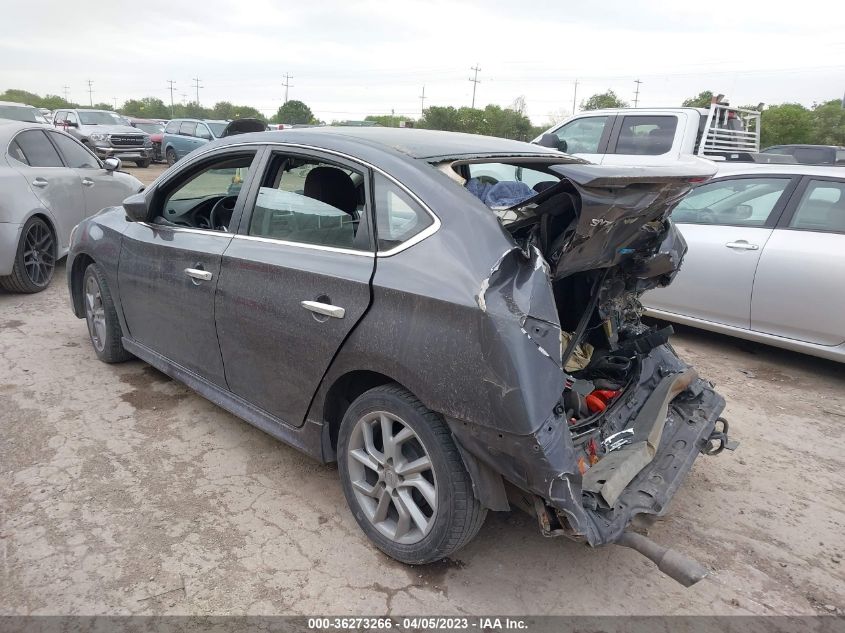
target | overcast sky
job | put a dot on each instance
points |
(353, 58)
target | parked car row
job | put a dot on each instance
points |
(49, 182)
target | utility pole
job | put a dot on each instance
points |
(637, 92)
(115, 103)
(287, 85)
(422, 102)
(171, 82)
(197, 86)
(475, 81)
(574, 96)
(65, 89)
(90, 93)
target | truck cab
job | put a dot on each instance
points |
(649, 136)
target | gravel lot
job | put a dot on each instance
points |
(122, 492)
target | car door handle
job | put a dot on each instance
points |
(39, 182)
(195, 273)
(324, 308)
(87, 182)
(742, 245)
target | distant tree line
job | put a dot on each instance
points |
(822, 124)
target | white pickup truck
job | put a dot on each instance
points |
(649, 136)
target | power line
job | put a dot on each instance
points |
(171, 82)
(197, 86)
(90, 93)
(637, 92)
(287, 85)
(422, 102)
(475, 81)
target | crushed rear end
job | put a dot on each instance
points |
(631, 416)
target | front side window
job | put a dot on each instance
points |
(646, 135)
(206, 200)
(60, 117)
(72, 118)
(737, 202)
(187, 128)
(822, 207)
(74, 153)
(172, 127)
(309, 201)
(202, 132)
(583, 136)
(398, 216)
(37, 149)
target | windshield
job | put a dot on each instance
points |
(216, 128)
(99, 117)
(21, 113)
(150, 128)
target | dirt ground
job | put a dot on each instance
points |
(123, 492)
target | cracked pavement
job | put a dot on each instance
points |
(123, 492)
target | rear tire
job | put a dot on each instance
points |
(35, 259)
(143, 163)
(170, 156)
(101, 317)
(411, 495)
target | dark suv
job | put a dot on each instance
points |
(456, 341)
(106, 134)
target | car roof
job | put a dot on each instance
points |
(726, 169)
(15, 103)
(413, 142)
(804, 146)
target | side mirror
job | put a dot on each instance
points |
(552, 140)
(136, 207)
(111, 164)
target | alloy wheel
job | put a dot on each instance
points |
(392, 477)
(38, 258)
(95, 313)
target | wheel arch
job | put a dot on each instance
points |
(75, 276)
(487, 484)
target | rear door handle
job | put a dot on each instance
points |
(39, 182)
(324, 308)
(742, 245)
(195, 273)
(87, 182)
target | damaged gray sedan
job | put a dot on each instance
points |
(452, 318)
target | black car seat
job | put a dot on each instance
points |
(334, 187)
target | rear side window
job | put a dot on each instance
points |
(311, 202)
(398, 216)
(39, 151)
(733, 202)
(172, 127)
(16, 152)
(187, 128)
(75, 155)
(822, 207)
(646, 135)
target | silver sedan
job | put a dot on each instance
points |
(766, 259)
(49, 182)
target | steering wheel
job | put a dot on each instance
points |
(221, 213)
(706, 216)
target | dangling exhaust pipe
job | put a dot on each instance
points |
(671, 562)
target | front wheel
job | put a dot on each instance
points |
(404, 479)
(143, 163)
(101, 317)
(170, 155)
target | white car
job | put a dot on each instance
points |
(766, 258)
(49, 182)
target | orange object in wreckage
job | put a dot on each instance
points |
(599, 399)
